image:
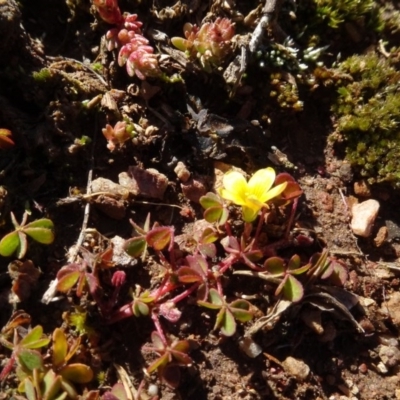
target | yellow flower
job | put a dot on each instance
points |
(251, 195)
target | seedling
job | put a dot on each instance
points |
(56, 382)
(215, 208)
(24, 350)
(172, 355)
(41, 230)
(236, 310)
(85, 273)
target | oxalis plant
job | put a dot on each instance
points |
(198, 265)
(41, 230)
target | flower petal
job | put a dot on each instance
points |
(234, 187)
(260, 183)
(275, 191)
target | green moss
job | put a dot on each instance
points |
(42, 76)
(340, 11)
(368, 115)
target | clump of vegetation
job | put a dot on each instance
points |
(369, 117)
(210, 43)
(343, 11)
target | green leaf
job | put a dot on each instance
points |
(158, 238)
(52, 384)
(60, 347)
(29, 389)
(208, 305)
(9, 244)
(135, 246)
(240, 310)
(68, 281)
(161, 361)
(227, 323)
(77, 373)
(275, 266)
(30, 359)
(210, 200)
(32, 337)
(41, 235)
(216, 298)
(139, 308)
(242, 315)
(293, 289)
(294, 262)
(180, 43)
(213, 214)
(41, 223)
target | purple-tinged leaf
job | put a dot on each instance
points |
(159, 238)
(67, 281)
(170, 375)
(294, 262)
(188, 275)
(210, 200)
(161, 361)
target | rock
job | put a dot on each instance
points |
(193, 189)
(144, 182)
(364, 215)
(389, 355)
(296, 368)
(381, 236)
(392, 307)
(182, 172)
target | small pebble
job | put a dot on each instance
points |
(364, 215)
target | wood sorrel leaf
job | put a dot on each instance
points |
(226, 322)
(216, 298)
(41, 230)
(293, 289)
(275, 266)
(210, 200)
(68, 281)
(77, 373)
(139, 308)
(157, 341)
(9, 244)
(30, 359)
(52, 386)
(240, 310)
(34, 339)
(158, 363)
(213, 214)
(135, 246)
(188, 275)
(171, 375)
(158, 238)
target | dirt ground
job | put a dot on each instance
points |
(313, 350)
